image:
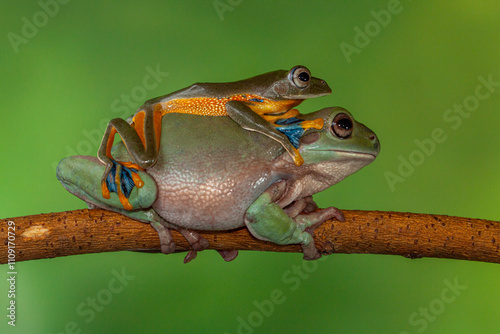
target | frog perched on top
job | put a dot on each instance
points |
(262, 104)
(211, 174)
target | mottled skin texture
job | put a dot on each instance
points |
(213, 175)
(211, 189)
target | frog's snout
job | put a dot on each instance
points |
(322, 88)
(375, 142)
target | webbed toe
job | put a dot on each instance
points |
(228, 255)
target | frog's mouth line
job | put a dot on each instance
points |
(347, 153)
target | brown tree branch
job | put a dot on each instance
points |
(408, 234)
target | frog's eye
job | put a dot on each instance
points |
(300, 76)
(342, 126)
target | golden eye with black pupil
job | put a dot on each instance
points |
(342, 126)
(300, 76)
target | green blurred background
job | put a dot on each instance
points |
(67, 77)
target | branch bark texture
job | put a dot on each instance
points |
(374, 232)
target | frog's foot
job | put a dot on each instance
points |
(303, 205)
(310, 205)
(190, 256)
(314, 219)
(121, 178)
(197, 242)
(310, 251)
(167, 244)
(271, 118)
(81, 175)
(228, 255)
(294, 128)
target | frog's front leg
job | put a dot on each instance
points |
(266, 220)
(141, 139)
(242, 114)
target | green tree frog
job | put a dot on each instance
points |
(212, 174)
(262, 104)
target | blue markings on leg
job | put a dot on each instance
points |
(126, 182)
(110, 180)
(292, 128)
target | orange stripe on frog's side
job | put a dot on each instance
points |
(211, 106)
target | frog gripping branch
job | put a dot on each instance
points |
(262, 103)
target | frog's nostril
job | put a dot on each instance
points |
(372, 137)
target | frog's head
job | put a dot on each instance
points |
(295, 84)
(342, 147)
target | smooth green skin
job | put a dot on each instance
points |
(277, 85)
(228, 178)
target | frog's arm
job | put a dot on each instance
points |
(141, 139)
(242, 114)
(266, 220)
(285, 128)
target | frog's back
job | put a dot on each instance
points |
(259, 85)
(210, 170)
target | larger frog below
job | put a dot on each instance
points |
(262, 103)
(211, 174)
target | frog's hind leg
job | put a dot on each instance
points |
(141, 138)
(80, 175)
